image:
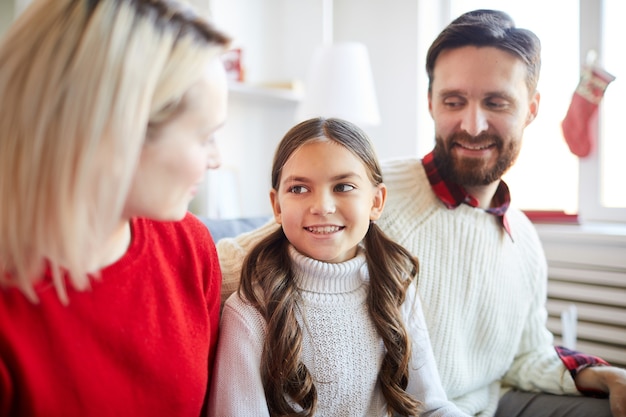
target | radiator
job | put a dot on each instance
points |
(600, 300)
(588, 270)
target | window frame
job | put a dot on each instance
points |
(590, 208)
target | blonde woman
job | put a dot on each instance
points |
(109, 289)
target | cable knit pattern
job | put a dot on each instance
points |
(341, 347)
(484, 292)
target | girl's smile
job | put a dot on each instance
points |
(326, 200)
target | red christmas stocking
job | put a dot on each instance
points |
(579, 128)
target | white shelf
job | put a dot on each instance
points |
(248, 91)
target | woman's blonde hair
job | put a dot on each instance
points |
(80, 82)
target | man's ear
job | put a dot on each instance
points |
(533, 107)
(275, 206)
(380, 197)
(430, 103)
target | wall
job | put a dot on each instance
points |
(6, 14)
(278, 38)
(392, 44)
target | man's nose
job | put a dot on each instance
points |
(474, 120)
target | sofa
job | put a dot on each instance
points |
(221, 228)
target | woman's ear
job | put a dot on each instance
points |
(380, 197)
(275, 206)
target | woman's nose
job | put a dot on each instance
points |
(214, 157)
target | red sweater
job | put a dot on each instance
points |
(141, 342)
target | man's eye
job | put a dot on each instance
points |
(342, 188)
(496, 104)
(453, 103)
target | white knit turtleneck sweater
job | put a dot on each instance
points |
(483, 292)
(341, 347)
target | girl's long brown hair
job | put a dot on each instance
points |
(267, 282)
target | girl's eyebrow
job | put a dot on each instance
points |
(339, 177)
(345, 176)
(294, 178)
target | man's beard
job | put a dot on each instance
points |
(473, 171)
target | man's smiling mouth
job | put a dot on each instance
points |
(475, 147)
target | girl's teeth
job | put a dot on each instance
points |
(323, 229)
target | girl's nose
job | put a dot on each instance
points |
(323, 205)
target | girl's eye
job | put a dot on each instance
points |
(297, 189)
(342, 188)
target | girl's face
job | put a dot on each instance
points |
(173, 162)
(325, 201)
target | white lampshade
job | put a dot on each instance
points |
(340, 84)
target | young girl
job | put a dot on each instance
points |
(327, 320)
(109, 289)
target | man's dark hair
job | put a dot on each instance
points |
(489, 28)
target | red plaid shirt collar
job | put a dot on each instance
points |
(453, 195)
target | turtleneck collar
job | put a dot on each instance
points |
(329, 278)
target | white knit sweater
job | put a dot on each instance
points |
(341, 347)
(483, 291)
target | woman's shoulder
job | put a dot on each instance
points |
(187, 239)
(189, 226)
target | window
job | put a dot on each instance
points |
(547, 176)
(603, 175)
(613, 171)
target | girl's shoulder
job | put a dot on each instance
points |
(239, 312)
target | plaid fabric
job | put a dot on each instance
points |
(453, 195)
(576, 361)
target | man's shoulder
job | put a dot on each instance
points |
(407, 186)
(403, 174)
(400, 165)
